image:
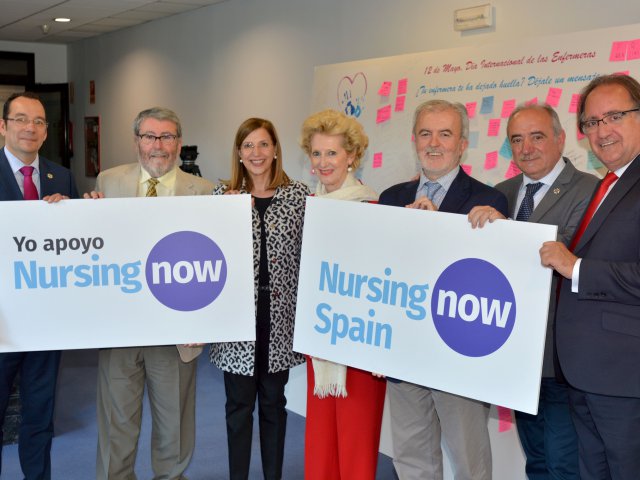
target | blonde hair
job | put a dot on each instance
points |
(332, 122)
(239, 173)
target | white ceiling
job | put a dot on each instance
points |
(23, 20)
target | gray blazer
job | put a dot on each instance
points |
(563, 205)
(122, 182)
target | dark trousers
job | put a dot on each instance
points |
(608, 435)
(241, 393)
(549, 438)
(38, 376)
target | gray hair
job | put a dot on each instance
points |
(555, 120)
(441, 105)
(159, 113)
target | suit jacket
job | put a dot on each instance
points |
(122, 181)
(598, 328)
(54, 178)
(563, 205)
(464, 194)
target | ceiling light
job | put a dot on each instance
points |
(62, 19)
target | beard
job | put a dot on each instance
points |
(157, 163)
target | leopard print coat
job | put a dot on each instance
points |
(284, 219)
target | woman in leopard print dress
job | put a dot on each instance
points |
(261, 368)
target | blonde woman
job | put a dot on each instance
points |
(344, 404)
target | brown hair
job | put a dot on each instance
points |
(239, 173)
(630, 84)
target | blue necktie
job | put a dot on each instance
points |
(526, 207)
(431, 188)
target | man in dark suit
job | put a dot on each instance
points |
(420, 416)
(551, 191)
(598, 318)
(24, 175)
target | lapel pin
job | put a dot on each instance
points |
(49, 176)
(556, 191)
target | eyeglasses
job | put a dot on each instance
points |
(609, 119)
(249, 146)
(149, 139)
(22, 122)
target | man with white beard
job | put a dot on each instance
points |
(169, 371)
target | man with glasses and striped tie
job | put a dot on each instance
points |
(24, 175)
(598, 317)
(169, 372)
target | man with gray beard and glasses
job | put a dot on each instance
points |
(169, 371)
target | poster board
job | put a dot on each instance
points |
(490, 80)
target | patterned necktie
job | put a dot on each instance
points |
(593, 206)
(151, 190)
(431, 188)
(526, 207)
(30, 190)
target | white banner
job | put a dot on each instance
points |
(125, 272)
(421, 296)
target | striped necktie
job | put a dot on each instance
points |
(151, 190)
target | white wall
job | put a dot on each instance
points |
(50, 60)
(218, 65)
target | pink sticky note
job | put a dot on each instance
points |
(580, 135)
(618, 51)
(625, 72)
(533, 101)
(400, 103)
(385, 89)
(494, 127)
(384, 114)
(512, 171)
(633, 50)
(575, 100)
(507, 108)
(471, 108)
(505, 420)
(553, 96)
(466, 168)
(402, 86)
(491, 160)
(377, 160)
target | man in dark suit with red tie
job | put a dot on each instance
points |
(26, 176)
(598, 318)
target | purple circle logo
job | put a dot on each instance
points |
(473, 307)
(186, 271)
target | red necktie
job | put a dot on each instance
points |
(30, 190)
(593, 206)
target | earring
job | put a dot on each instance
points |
(349, 169)
(240, 160)
(275, 156)
(313, 171)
